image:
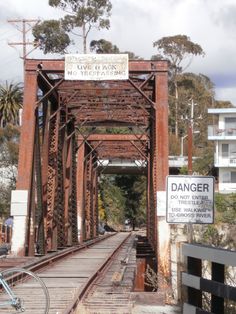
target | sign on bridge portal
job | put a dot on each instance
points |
(190, 199)
(96, 67)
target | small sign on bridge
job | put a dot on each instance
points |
(96, 67)
(190, 199)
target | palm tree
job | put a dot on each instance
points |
(11, 98)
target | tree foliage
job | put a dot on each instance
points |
(5, 197)
(204, 164)
(51, 37)
(103, 46)
(9, 144)
(199, 90)
(11, 98)
(123, 196)
(226, 207)
(179, 50)
(113, 202)
(132, 188)
(81, 16)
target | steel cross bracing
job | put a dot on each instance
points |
(64, 140)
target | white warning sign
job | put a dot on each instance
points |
(190, 199)
(96, 67)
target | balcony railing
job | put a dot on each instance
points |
(213, 130)
(227, 187)
(221, 161)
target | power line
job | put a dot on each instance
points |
(24, 26)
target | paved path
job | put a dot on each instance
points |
(152, 303)
(156, 309)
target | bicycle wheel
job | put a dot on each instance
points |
(30, 291)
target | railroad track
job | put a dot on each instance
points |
(110, 293)
(69, 274)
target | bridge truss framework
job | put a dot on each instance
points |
(61, 150)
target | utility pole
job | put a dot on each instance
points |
(190, 121)
(190, 140)
(24, 28)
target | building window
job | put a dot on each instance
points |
(225, 150)
(230, 125)
(232, 150)
(229, 177)
(233, 177)
(230, 122)
(226, 177)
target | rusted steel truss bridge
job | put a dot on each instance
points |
(62, 150)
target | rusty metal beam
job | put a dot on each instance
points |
(80, 179)
(142, 93)
(114, 137)
(57, 66)
(161, 167)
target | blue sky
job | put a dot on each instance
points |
(135, 25)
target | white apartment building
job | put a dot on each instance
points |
(223, 133)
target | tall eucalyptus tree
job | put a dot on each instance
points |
(80, 17)
(179, 50)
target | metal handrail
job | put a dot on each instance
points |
(196, 284)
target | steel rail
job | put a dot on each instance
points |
(87, 286)
(56, 256)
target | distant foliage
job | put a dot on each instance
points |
(179, 50)
(113, 202)
(5, 199)
(103, 46)
(204, 164)
(226, 207)
(123, 197)
(223, 232)
(9, 144)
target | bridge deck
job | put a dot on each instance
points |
(66, 279)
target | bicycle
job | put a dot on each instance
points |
(21, 291)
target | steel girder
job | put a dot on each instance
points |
(62, 145)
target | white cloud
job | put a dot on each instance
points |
(135, 25)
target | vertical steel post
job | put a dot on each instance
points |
(190, 149)
(162, 167)
(95, 203)
(67, 187)
(21, 238)
(80, 190)
(45, 151)
(73, 194)
(60, 199)
(194, 267)
(217, 274)
(89, 196)
(39, 214)
(51, 217)
(148, 195)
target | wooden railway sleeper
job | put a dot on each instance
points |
(118, 276)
